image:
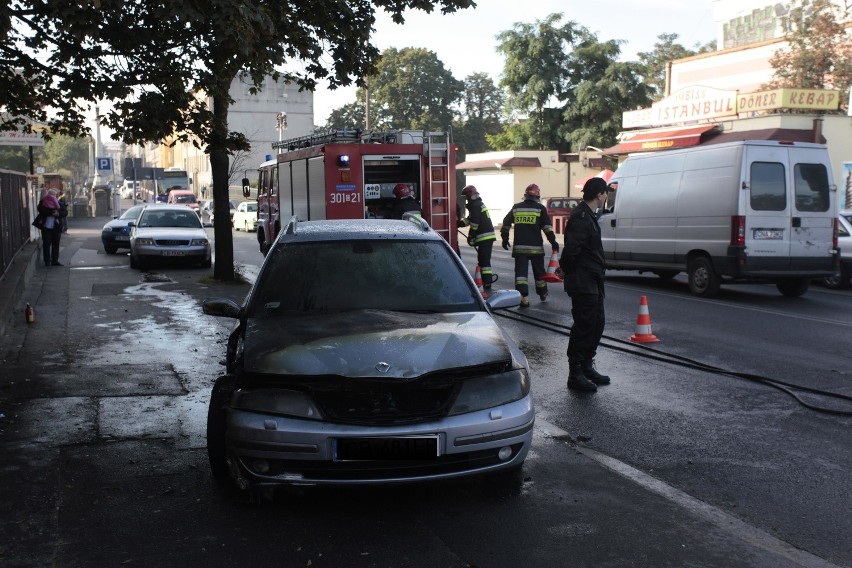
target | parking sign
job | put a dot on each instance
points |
(104, 164)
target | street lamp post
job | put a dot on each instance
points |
(281, 121)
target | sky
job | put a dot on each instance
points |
(465, 41)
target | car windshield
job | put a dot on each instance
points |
(183, 219)
(337, 276)
(132, 213)
(184, 199)
(251, 207)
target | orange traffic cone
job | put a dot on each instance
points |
(478, 280)
(550, 275)
(643, 324)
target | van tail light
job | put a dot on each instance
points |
(738, 230)
(834, 242)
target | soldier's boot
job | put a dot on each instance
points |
(592, 374)
(577, 380)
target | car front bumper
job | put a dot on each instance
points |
(277, 450)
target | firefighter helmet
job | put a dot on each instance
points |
(532, 191)
(401, 190)
(470, 192)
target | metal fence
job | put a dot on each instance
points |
(15, 216)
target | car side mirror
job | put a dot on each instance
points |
(246, 187)
(131, 224)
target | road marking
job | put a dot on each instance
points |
(713, 515)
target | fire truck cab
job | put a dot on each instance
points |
(350, 174)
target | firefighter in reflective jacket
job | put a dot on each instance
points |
(481, 234)
(405, 202)
(530, 219)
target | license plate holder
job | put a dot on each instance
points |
(387, 448)
(122, 238)
(174, 253)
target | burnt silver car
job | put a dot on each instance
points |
(364, 353)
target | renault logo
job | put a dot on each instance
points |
(383, 367)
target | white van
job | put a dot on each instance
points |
(737, 211)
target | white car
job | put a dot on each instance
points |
(168, 233)
(207, 215)
(246, 216)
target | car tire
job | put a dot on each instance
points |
(703, 280)
(839, 280)
(794, 287)
(133, 262)
(110, 250)
(207, 263)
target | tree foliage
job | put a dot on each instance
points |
(159, 63)
(413, 89)
(69, 154)
(654, 62)
(820, 51)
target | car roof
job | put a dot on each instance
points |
(346, 229)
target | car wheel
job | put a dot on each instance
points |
(133, 262)
(703, 280)
(207, 263)
(839, 280)
(110, 250)
(793, 288)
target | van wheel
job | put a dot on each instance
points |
(839, 280)
(666, 274)
(793, 288)
(703, 280)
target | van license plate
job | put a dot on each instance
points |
(768, 234)
(400, 448)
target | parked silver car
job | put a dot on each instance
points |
(365, 354)
(168, 233)
(841, 279)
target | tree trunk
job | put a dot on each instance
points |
(218, 149)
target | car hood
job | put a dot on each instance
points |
(116, 224)
(373, 343)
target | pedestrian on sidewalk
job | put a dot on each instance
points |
(583, 267)
(531, 220)
(50, 213)
(63, 210)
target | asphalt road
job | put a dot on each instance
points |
(103, 404)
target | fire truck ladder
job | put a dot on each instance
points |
(438, 207)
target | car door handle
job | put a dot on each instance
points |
(612, 223)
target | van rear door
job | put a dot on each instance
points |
(813, 206)
(767, 207)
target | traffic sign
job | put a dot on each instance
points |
(104, 164)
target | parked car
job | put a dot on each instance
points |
(365, 354)
(561, 205)
(185, 197)
(841, 279)
(168, 232)
(207, 214)
(116, 233)
(246, 216)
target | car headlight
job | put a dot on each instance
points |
(199, 242)
(489, 391)
(276, 401)
(144, 241)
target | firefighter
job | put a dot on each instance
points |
(582, 264)
(481, 235)
(405, 202)
(530, 219)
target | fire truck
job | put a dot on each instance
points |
(350, 174)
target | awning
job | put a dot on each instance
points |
(605, 175)
(500, 164)
(661, 140)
